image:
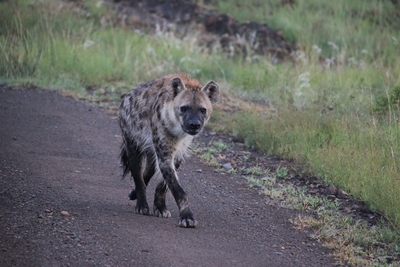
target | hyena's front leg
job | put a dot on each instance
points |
(160, 209)
(186, 216)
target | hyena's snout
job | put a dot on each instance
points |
(193, 127)
(193, 124)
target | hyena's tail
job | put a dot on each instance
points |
(124, 161)
(125, 165)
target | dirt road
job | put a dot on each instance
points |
(63, 202)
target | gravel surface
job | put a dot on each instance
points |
(63, 202)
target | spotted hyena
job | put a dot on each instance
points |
(159, 120)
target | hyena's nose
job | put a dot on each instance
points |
(194, 125)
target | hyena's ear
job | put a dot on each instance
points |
(211, 89)
(174, 87)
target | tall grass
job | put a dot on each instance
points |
(54, 48)
(347, 69)
(332, 113)
(362, 29)
(360, 155)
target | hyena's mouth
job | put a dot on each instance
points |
(192, 131)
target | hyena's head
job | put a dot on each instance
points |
(192, 103)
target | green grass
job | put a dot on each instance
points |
(358, 154)
(354, 241)
(55, 49)
(359, 29)
(340, 119)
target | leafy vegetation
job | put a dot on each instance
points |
(388, 102)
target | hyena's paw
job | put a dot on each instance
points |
(142, 209)
(163, 213)
(186, 219)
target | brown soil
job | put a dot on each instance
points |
(63, 202)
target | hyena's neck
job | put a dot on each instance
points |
(170, 122)
(182, 147)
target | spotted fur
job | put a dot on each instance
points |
(159, 120)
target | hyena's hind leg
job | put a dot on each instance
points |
(147, 175)
(160, 207)
(135, 164)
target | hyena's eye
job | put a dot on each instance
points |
(203, 110)
(184, 109)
